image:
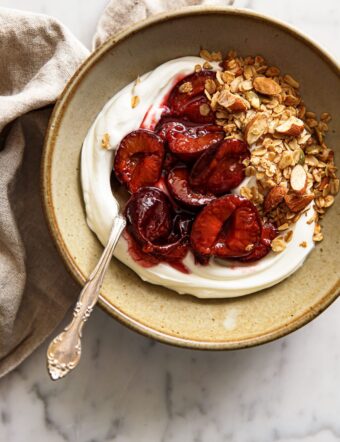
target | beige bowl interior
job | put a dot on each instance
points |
(158, 312)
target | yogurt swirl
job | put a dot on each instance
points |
(220, 279)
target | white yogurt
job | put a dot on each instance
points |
(220, 279)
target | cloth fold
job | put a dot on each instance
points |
(37, 57)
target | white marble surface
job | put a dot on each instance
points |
(131, 389)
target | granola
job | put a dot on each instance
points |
(290, 160)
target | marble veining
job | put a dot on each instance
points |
(128, 388)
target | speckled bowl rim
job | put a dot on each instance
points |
(46, 181)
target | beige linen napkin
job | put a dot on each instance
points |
(37, 56)
(122, 13)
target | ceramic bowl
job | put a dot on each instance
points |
(156, 311)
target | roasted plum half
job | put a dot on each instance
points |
(220, 168)
(188, 102)
(262, 248)
(139, 159)
(179, 188)
(187, 140)
(228, 227)
(154, 225)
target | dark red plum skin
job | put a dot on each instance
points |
(228, 227)
(154, 225)
(220, 169)
(179, 188)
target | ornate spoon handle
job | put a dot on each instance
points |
(63, 353)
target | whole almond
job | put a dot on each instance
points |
(274, 197)
(298, 179)
(255, 128)
(292, 127)
(296, 202)
(266, 86)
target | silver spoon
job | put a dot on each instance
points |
(64, 352)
